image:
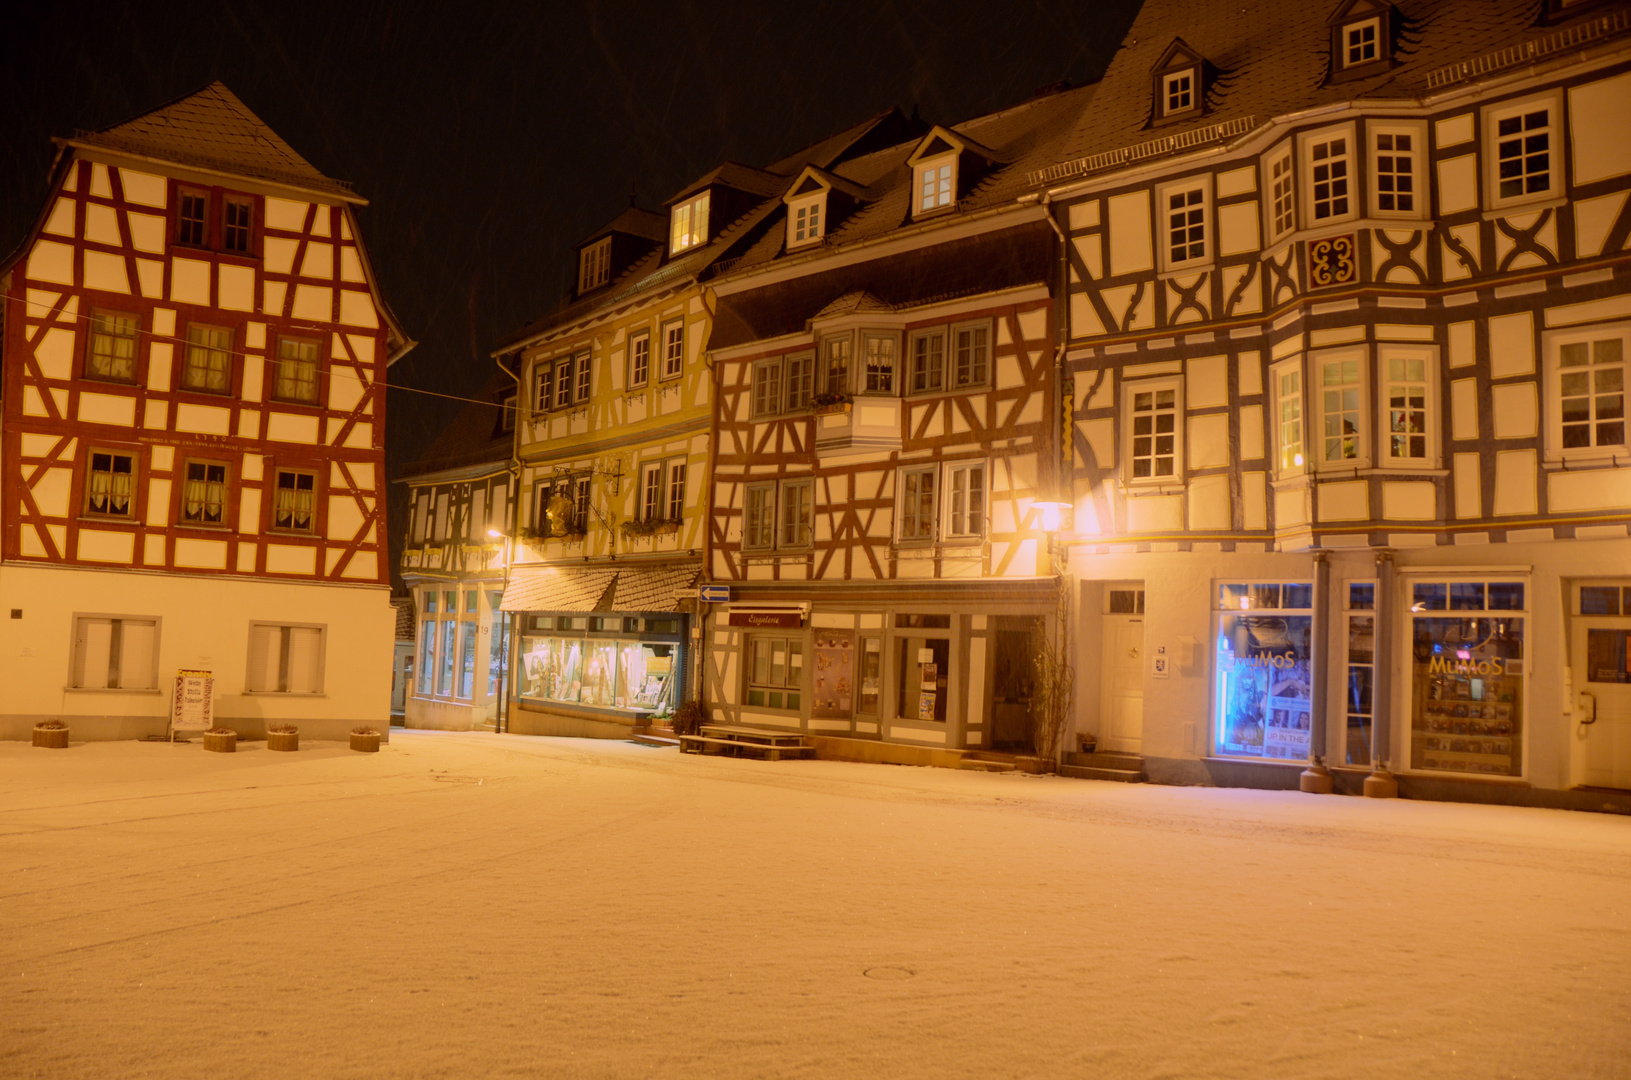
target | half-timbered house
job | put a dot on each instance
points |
(195, 352)
(613, 445)
(888, 430)
(1348, 317)
(455, 560)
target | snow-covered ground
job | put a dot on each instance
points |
(471, 905)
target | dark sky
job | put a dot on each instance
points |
(489, 138)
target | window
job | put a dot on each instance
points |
(1263, 694)
(928, 362)
(1361, 619)
(1407, 401)
(639, 358)
(879, 357)
(563, 383)
(673, 348)
(767, 387)
(294, 500)
(689, 224)
(651, 491)
(208, 367)
(1361, 42)
(971, 355)
(114, 653)
(1523, 152)
(797, 514)
(237, 232)
(543, 385)
(110, 485)
(203, 498)
(1282, 192)
(835, 372)
(1178, 92)
(1153, 432)
(468, 632)
(595, 265)
(1329, 176)
(577, 490)
(113, 346)
(1396, 172)
(1589, 377)
(449, 633)
(506, 414)
(426, 671)
(967, 519)
(1341, 390)
(1184, 226)
(1288, 412)
(192, 218)
(582, 368)
(935, 184)
(800, 381)
(296, 371)
(285, 659)
(758, 514)
(1467, 676)
(775, 673)
(676, 490)
(804, 221)
(917, 504)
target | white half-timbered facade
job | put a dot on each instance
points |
(191, 442)
(1347, 328)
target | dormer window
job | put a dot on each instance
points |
(946, 164)
(805, 220)
(1178, 83)
(688, 226)
(936, 184)
(1178, 92)
(1361, 42)
(1361, 39)
(595, 265)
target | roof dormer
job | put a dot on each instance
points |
(1178, 83)
(607, 252)
(817, 202)
(944, 167)
(1361, 39)
(704, 208)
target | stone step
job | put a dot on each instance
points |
(648, 739)
(1090, 772)
(982, 765)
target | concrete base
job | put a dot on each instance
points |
(1316, 780)
(1381, 784)
(530, 721)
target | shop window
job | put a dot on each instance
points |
(869, 677)
(832, 689)
(113, 346)
(639, 359)
(1264, 670)
(922, 622)
(1605, 600)
(928, 362)
(115, 653)
(1467, 677)
(1360, 619)
(448, 634)
(468, 632)
(775, 672)
(879, 356)
(427, 649)
(284, 659)
(923, 678)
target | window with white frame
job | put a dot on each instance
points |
(1153, 433)
(1183, 223)
(543, 386)
(767, 387)
(775, 672)
(966, 510)
(1179, 91)
(1397, 171)
(294, 501)
(1588, 372)
(879, 356)
(676, 490)
(1524, 139)
(936, 183)
(582, 369)
(688, 224)
(1342, 391)
(797, 516)
(928, 372)
(595, 265)
(204, 494)
(110, 484)
(639, 358)
(804, 220)
(1330, 188)
(1282, 194)
(835, 369)
(971, 355)
(113, 652)
(285, 659)
(578, 486)
(758, 515)
(673, 348)
(800, 380)
(918, 491)
(563, 382)
(1361, 42)
(1408, 407)
(651, 491)
(113, 346)
(1288, 416)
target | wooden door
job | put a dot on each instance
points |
(1121, 682)
(1601, 666)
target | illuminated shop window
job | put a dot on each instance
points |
(1264, 670)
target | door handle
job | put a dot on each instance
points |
(1588, 703)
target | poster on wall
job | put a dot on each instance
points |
(834, 674)
(925, 705)
(192, 706)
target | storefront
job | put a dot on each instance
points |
(460, 648)
(1263, 707)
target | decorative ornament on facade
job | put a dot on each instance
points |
(559, 511)
(1333, 260)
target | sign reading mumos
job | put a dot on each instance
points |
(192, 707)
(780, 620)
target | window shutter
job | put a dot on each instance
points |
(137, 641)
(92, 640)
(305, 660)
(265, 643)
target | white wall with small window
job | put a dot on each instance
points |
(1152, 431)
(284, 659)
(1586, 374)
(1328, 176)
(114, 652)
(1523, 159)
(1185, 222)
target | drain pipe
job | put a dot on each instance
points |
(501, 720)
(1062, 487)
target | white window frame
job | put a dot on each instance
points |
(639, 374)
(1428, 356)
(1361, 410)
(954, 378)
(1349, 30)
(113, 677)
(806, 220)
(1374, 153)
(651, 491)
(1557, 145)
(863, 377)
(1289, 459)
(1130, 389)
(927, 532)
(784, 696)
(934, 184)
(1552, 344)
(595, 265)
(1309, 170)
(1190, 93)
(543, 386)
(688, 223)
(934, 381)
(759, 535)
(848, 382)
(1186, 188)
(673, 349)
(967, 499)
(798, 380)
(788, 495)
(674, 500)
(284, 657)
(765, 390)
(583, 373)
(1279, 205)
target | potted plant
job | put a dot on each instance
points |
(636, 527)
(833, 402)
(688, 718)
(221, 740)
(365, 740)
(51, 734)
(283, 737)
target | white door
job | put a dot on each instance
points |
(1601, 667)
(1121, 669)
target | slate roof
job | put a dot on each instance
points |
(734, 174)
(1273, 57)
(557, 588)
(854, 303)
(652, 588)
(211, 129)
(404, 617)
(473, 437)
(646, 224)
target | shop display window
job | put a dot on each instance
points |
(833, 687)
(924, 668)
(610, 672)
(1264, 673)
(870, 675)
(1467, 677)
(1361, 623)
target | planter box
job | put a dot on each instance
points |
(283, 740)
(221, 744)
(367, 744)
(51, 738)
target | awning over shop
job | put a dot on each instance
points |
(653, 588)
(557, 588)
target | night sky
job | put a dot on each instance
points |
(489, 139)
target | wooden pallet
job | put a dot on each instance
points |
(730, 741)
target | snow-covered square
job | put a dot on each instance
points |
(473, 905)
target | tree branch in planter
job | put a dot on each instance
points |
(652, 527)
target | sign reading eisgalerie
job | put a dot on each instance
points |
(781, 620)
(192, 707)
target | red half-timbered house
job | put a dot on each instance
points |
(192, 435)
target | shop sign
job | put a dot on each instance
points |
(192, 706)
(765, 620)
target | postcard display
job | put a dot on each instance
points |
(1466, 691)
(1264, 670)
(834, 674)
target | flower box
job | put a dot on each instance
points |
(365, 740)
(221, 741)
(285, 738)
(52, 735)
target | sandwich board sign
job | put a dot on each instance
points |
(192, 706)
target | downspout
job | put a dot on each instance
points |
(1062, 486)
(698, 645)
(511, 527)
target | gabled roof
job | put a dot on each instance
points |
(813, 178)
(940, 139)
(733, 174)
(859, 302)
(646, 224)
(1349, 10)
(211, 130)
(473, 436)
(1178, 54)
